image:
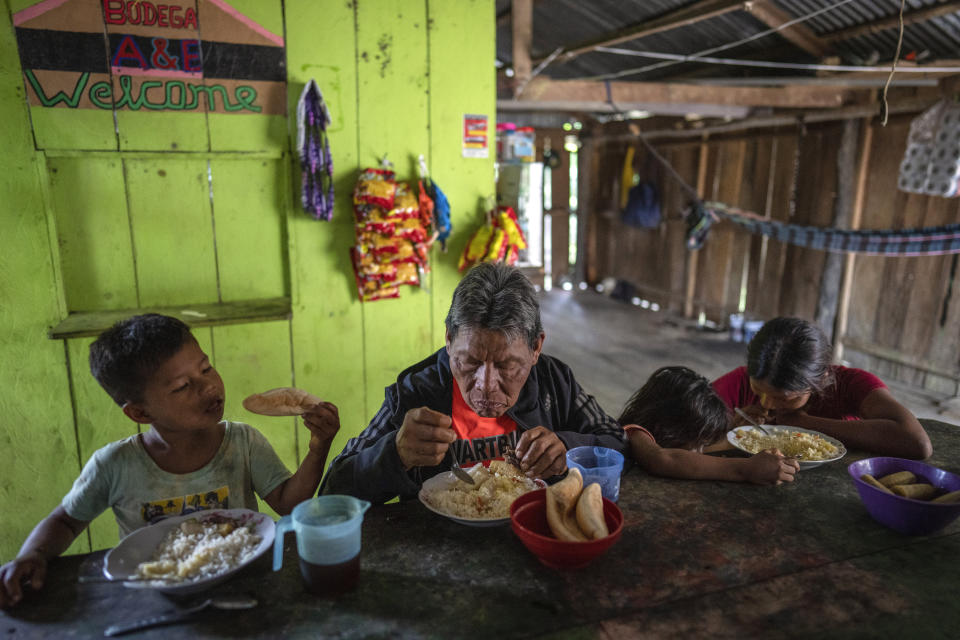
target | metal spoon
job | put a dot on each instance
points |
(461, 473)
(743, 414)
(218, 602)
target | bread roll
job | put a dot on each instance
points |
(590, 512)
(920, 491)
(561, 507)
(873, 482)
(900, 477)
(953, 496)
(284, 401)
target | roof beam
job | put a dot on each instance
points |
(799, 34)
(521, 24)
(542, 89)
(892, 22)
(697, 12)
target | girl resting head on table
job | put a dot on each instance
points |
(790, 380)
(674, 415)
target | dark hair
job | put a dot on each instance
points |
(123, 357)
(791, 354)
(679, 407)
(497, 297)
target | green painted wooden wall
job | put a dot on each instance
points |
(180, 209)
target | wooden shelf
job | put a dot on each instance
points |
(92, 323)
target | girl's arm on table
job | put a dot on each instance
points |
(886, 427)
(766, 467)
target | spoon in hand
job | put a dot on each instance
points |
(743, 414)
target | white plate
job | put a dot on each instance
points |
(804, 464)
(445, 481)
(122, 561)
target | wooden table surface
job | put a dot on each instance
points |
(696, 559)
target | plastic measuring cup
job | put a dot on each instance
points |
(328, 542)
(598, 464)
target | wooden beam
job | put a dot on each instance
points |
(846, 284)
(504, 16)
(692, 256)
(913, 105)
(793, 97)
(892, 22)
(697, 12)
(522, 26)
(661, 109)
(830, 302)
(799, 34)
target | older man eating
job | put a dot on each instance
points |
(490, 388)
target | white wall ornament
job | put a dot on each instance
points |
(931, 161)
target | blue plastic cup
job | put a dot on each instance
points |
(598, 464)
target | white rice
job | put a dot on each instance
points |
(196, 550)
(489, 498)
(790, 443)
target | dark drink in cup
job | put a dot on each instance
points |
(330, 579)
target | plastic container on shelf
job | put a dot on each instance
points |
(524, 144)
(505, 134)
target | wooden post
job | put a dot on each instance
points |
(832, 275)
(522, 27)
(846, 283)
(692, 255)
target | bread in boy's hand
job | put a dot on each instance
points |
(284, 401)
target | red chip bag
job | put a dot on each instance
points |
(412, 230)
(375, 186)
(369, 289)
(405, 203)
(408, 273)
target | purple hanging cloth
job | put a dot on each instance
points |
(313, 145)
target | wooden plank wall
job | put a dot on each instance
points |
(904, 320)
(192, 208)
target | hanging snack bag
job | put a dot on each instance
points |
(507, 220)
(374, 219)
(408, 273)
(405, 204)
(378, 244)
(412, 230)
(369, 268)
(376, 187)
(368, 288)
(497, 248)
(476, 247)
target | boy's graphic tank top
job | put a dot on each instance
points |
(479, 438)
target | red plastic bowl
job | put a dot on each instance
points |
(528, 518)
(906, 515)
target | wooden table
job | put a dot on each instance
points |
(697, 559)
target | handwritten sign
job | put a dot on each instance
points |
(141, 55)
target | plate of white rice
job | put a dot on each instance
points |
(483, 504)
(190, 553)
(813, 447)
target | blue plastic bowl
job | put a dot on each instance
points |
(906, 515)
(598, 464)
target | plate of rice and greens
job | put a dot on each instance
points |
(812, 447)
(190, 553)
(486, 503)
